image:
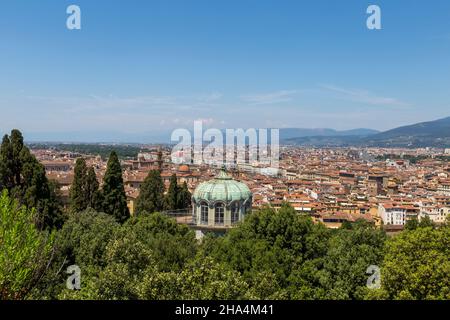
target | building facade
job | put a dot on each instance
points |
(220, 203)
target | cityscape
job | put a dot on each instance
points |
(217, 159)
(385, 186)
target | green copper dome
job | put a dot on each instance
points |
(222, 188)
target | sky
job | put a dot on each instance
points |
(143, 68)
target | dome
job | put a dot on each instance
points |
(183, 168)
(222, 188)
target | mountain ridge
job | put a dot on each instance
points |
(434, 133)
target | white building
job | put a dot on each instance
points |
(397, 214)
(437, 214)
(444, 188)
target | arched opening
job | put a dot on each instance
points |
(235, 208)
(219, 213)
(203, 213)
(247, 205)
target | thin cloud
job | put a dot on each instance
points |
(113, 103)
(269, 98)
(210, 97)
(365, 96)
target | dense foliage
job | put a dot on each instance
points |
(417, 265)
(271, 255)
(151, 194)
(25, 251)
(177, 197)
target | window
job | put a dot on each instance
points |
(235, 213)
(204, 213)
(219, 213)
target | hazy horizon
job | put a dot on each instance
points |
(145, 68)
(135, 137)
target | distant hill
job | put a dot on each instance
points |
(289, 133)
(324, 141)
(425, 134)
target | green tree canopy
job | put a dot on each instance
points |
(25, 251)
(417, 265)
(116, 259)
(151, 194)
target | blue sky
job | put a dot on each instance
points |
(150, 66)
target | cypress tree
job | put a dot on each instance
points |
(184, 197)
(78, 196)
(24, 177)
(6, 159)
(17, 148)
(172, 201)
(151, 195)
(93, 194)
(114, 197)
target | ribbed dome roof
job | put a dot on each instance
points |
(183, 168)
(222, 188)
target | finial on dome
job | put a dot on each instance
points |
(223, 175)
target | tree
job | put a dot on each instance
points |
(426, 222)
(201, 279)
(117, 259)
(113, 191)
(172, 244)
(7, 180)
(78, 195)
(151, 194)
(82, 241)
(84, 192)
(24, 178)
(93, 194)
(12, 162)
(25, 251)
(269, 241)
(184, 197)
(349, 254)
(206, 279)
(412, 224)
(171, 201)
(55, 216)
(416, 265)
(126, 261)
(84, 237)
